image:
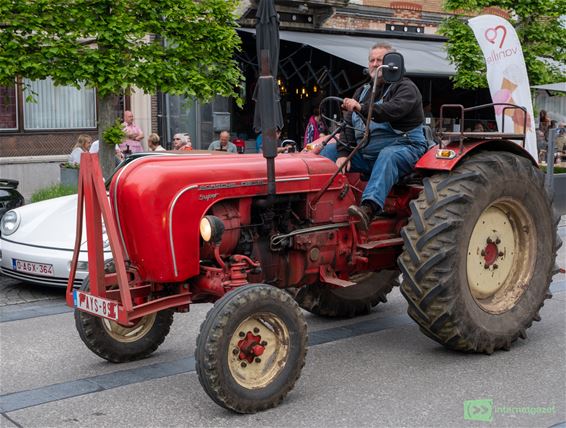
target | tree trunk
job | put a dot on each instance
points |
(108, 112)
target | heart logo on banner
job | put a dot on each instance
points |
(491, 34)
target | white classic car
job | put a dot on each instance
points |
(37, 242)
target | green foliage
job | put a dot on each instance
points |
(182, 47)
(70, 165)
(51, 192)
(538, 27)
(557, 169)
(114, 134)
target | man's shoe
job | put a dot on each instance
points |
(363, 213)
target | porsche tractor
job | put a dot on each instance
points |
(471, 236)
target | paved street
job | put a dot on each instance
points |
(377, 370)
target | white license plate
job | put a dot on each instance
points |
(32, 267)
(95, 305)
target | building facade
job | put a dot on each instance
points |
(308, 71)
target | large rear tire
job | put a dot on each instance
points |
(479, 252)
(117, 343)
(251, 348)
(371, 288)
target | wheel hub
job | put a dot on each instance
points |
(133, 333)
(258, 350)
(499, 254)
(490, 253)
(250, 347)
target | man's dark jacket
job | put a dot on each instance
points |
(402, 107)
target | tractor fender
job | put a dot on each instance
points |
(432, 161)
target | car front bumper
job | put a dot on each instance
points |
(59, 259)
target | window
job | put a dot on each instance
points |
(58, 107)
(8, 108)
(53, 107)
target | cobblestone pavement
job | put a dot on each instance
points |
(13, 292)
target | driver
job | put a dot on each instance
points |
(396, 139)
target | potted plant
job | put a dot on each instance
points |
(69, 174)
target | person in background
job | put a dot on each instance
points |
(182, 142)
(560, 141)
(259, 142)
(478, 127)
(544, 123)
(223, 144)
(315, 127)
(95, 148)
(396, 137)
(82, 146)
(153, 143)
(134, 134)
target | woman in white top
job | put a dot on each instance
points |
(153, 143)
(82, 146)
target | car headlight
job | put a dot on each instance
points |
(10, 223)
(211, 229)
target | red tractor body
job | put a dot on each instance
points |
(158, 203)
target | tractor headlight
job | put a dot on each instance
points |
(211, 229)
(10, 223)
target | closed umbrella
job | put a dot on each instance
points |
(267, 115)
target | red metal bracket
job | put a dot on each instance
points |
(93, 201)
(328, 276)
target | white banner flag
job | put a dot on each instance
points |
(506, 75)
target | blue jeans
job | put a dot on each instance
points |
(387, 160)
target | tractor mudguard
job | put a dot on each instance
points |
(447, 157)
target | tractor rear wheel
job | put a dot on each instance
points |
(370, 289)
(479, 252)
(117, 343)
(251, 348)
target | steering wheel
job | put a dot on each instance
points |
(339, 122)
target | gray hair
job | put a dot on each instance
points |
(383, 45)
(184, 138)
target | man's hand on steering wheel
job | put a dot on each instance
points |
(351, 105)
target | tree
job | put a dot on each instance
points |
(182, 47)
(539, 28)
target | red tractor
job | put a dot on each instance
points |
(473, 234)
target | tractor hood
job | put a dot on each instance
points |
(158, 201)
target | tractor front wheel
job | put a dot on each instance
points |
(251, 348)
(479, 252)
(117, 343)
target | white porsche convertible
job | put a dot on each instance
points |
(37, 242)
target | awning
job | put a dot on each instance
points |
(557, 87)
(422, 57)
